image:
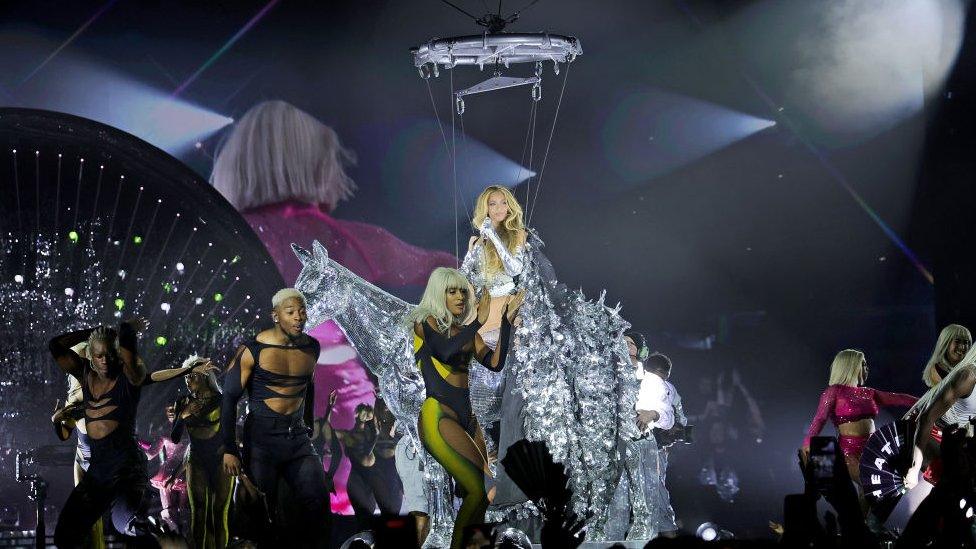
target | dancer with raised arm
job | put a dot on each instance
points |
(111, 378)
(209, 486)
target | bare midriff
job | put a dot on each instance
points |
(859, 428)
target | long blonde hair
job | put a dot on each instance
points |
(846, 368)
(931, 375)
(433, 303)
(278, 152)
(510, 230)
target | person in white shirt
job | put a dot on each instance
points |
(658, 407)
(641, 508)
(655, 399)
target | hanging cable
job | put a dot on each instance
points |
(465, 174)
(525, 146)
(552, 130)
(455, 6)
(447, 147)
(457, 246)
(535, 118)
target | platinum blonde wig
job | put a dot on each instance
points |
(930, 375)
(277, 152)
(846, 368)
(434, 301)
(285, 294)
(194, 360)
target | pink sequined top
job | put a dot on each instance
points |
(845, 403)
(370, 251)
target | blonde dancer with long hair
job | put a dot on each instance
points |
(953, 343)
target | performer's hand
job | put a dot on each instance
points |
(513, 305)
(485, 224)
(647, 416)
(484, 307)
(58, 411)
(138, 323)
(232, 465)
(911, 477)
(333, 396)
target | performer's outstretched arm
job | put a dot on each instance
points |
(884, 398)
(201, 367)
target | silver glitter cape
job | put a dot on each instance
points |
(569, 364)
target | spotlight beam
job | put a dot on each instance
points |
(68, 42)
(832, 170)
(223, 49)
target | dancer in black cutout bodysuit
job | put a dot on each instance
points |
(209, 487)
(276, 369)
(111, 382)
(373, 480)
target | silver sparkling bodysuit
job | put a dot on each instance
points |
(485, 386)
(497, 284)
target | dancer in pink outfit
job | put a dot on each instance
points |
(284, 171)
(852, 407)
